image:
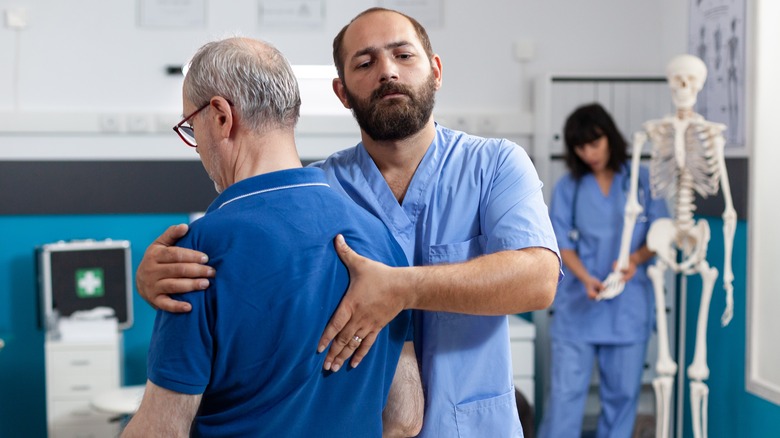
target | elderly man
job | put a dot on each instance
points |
(243, 361)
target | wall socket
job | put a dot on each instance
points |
(109, 123)
(524, 50)
(139, 123)
(16, 18)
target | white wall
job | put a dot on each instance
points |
(89, 56)
(763, 358)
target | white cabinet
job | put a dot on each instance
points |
(521, 342)
(75, 372)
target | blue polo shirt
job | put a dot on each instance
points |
(468, 197)
(250, 343)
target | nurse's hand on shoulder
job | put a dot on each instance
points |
(167, 269)
(371, 302)
(593, 287)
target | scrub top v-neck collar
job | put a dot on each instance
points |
(401, 217)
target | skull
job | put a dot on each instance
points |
(686, 75)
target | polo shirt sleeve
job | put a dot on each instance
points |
(515, 214)
(180, 352)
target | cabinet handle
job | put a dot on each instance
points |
(80, 388)
(81, 414)
(2, 343)
(79, 362)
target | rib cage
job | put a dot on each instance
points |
(664, 172)
(677, 177)
(700, 159)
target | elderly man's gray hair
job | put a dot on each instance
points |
(253, 75)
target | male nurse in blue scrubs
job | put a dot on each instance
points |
(468, 212)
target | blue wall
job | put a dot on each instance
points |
(733, 412)
(22, 385)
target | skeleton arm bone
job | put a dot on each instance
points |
(729, 227)
(613, 284)
(633, 207)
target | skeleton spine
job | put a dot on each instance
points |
(685, 206)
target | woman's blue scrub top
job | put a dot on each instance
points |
(598, 220)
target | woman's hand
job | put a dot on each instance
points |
(593, 287)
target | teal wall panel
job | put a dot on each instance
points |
(732, 410)
(22, 376)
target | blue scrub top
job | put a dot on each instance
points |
(469, 196)
(250, 343)
(629, 317)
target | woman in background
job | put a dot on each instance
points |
(587, 212)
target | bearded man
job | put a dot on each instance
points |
(467, 211)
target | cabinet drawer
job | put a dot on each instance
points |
(81, 386)
(75, 412)
(85, 431)
(83, 361)
(522, 358)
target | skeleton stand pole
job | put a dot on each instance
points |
(679, 406)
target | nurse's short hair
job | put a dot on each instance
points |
(338, 41)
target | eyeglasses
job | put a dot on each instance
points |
(186, 132)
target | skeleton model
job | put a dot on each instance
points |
(687, 156)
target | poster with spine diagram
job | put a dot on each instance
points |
(716, 34)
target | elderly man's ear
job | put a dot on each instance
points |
(223, 115)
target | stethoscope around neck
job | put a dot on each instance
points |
(574, 233)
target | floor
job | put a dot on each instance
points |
(643, 428)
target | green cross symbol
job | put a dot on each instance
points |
(89, 283)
